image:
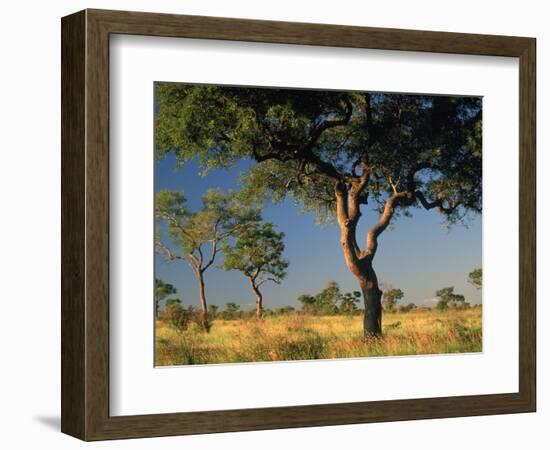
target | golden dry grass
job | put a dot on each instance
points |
(301, 337)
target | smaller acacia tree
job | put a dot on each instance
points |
(257, 252)
(391, 297)
(448, 298)
(162, 290)
(327, 300)
(192, 234)
(475, 277)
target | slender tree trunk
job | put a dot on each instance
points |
(259, 299)
(204, 306)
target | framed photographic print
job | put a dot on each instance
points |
(272, 225)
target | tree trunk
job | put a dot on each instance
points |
(259, 298)
(204, 306)
(358, 262)
(372, 297)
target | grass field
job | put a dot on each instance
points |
(302, 337)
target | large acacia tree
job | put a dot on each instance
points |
(335, 152)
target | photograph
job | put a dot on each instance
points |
(302, 224)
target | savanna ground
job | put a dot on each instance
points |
(296, 336)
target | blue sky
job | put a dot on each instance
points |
(419, 255)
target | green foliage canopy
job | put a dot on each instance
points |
(426, 148)
(231, 311)
(257, 252)
(475, 277)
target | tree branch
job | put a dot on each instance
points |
(341, 194)
(168, 254)
(384, 221)
(356, 196)
(286, 152)
(279, 156)
(371, 129)
(214, 243)
(263, 280)
(347, 223)
(201, 257)
(436, 204)
(327, 124)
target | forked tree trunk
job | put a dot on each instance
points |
(204, 306)
(360, 263)
(259, 299)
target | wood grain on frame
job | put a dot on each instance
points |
(85, 224)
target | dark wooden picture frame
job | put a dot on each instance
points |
(85, 224)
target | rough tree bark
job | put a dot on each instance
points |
(372, 297)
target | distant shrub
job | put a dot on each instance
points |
(180, 318)
(284, 310)
(231, 311)
(213, 312)
(348, 302)
(459, 305)
(330, 301)
(172, 301)
(442, 305)
(407, 308)
(267, 312)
